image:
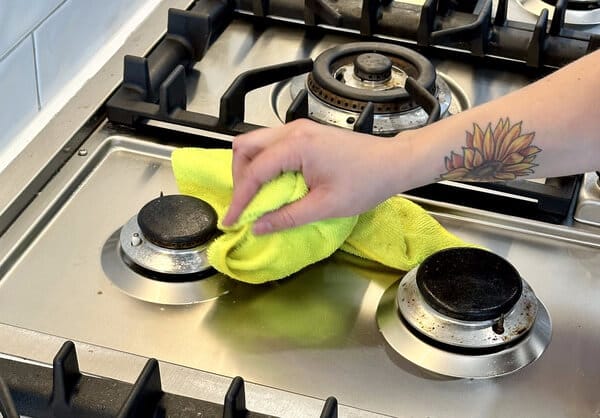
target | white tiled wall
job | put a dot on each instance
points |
(44, 44)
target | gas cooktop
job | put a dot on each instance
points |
(99, 249)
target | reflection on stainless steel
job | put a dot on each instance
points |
(313, 334)
(144, 288)
(588, 202)
(572, 17)
(318, 326)
(470, 334)
(448, 363)
(160, 259)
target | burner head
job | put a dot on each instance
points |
(469, 284)
(177, 221)
(372, 67)
(351, 75)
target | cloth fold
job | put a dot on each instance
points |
(397, 233)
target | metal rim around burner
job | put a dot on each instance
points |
(159, 259)
(454, 363)
(147, 289)
(459, 333)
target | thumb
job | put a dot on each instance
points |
(310, 208)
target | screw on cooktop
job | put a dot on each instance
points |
(350, 120)
(135, 239)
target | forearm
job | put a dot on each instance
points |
(549, 128)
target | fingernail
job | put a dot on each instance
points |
(262, 227)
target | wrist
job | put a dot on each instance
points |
(401, 162)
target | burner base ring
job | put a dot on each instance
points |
(140, 287)
(454, 364)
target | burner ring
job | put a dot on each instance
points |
(150, 256)
(141, 287)
(324, 80)
(443, 362)
(453, 333)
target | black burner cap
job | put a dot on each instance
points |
(372, 67)
(177, 221)
(469, 284)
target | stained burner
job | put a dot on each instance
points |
(465, 312)
(469, 284)
(160, 255)
(347, 79)
(349, 76)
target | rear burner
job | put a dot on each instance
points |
(160, 255)
(465, 312)
(347, 77)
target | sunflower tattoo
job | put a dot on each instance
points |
(494, 155)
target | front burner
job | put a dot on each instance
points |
(177, 221)
(469, 284)
(169, 237)
(160, 255)
(465, 312)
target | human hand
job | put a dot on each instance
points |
(346, 172)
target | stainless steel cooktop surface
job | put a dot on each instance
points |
(314, 333)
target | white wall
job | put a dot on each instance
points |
(48, 49)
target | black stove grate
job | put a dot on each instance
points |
(154, 87)
(62, 391)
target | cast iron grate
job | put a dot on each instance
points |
(154, 87)
(62, 391)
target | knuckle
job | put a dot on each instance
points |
(301, 129)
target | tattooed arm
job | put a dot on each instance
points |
(549, 128)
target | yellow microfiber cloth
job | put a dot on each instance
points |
(238, 253)
(397, 233)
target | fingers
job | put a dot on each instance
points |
(247, 146)
(267, 164)
(309, 209)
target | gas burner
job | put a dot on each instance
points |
(170, 236)
(465, 312)
(578, 12)
(346, 78)
(159, 255)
